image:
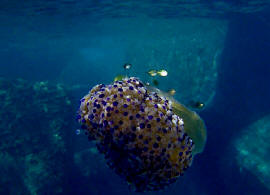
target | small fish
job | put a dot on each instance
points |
(127, 66)
(171, 92)
(196, 104)
(78, 131)
(119, 78)
(155, 82)
(152, 73)
(162, 73)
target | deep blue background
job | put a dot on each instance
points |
(242, 97)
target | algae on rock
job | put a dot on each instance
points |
(34, 122)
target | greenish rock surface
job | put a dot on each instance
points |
(188, 48)
(33, 124)
(253, 150)
(190, 56)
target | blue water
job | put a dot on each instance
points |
(83, 43)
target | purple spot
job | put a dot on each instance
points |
(155, 145)
(148, 126)
(142, 110)
(98, 106)
(125, 113)
(156, 106)
(125, 105)
(131, 88)
(108, 115)
(121, 95)
(150, 117)
(83, 121)
(120, 122)
(111, 130)
(94, 110)
(101, 95)
(78, 117)
(116, 111)
(138, 115)
(180, 153)
(158, 119)
(128, 99)
(140, 136)
(120, 89)
(114, 86)
(115, 96)
(102, 115)
(142, 125)
(104, 103)
(140, 84)
(108, 108)
(115, 103)
(105, 123)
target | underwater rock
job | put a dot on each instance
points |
(188, 48)
(33, 123)
(253, 150)
(142, 139)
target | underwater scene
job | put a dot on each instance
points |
(134, 97)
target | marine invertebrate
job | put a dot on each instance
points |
(136, 129)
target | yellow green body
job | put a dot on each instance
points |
(193, 126)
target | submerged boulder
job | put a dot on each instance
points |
(253, 150)
(33, 123)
